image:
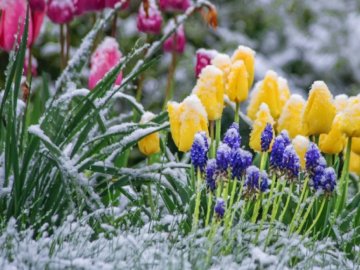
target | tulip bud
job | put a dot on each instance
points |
(13, 15)
(333, 142)
(354, 163)
(319, 110)
(341, 102)
(210, 90)
(237, 87)
(151, 143)
(223, 62)
(248, 56)
(263, 117)
(174, 5)
(351, 119)
(291, 116)
(187, 119)
(203, 59)
(38, 5)
(60, 11)
(267, 91)
(177, 41)
(355, 145)
(284, 92)
(106, 57)
(301, 145)
(149, 21)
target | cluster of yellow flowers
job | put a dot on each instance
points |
(271, 102)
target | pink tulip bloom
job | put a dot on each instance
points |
(203, 59)
(174, 5)
(151, 21)
(176, 42)
(60, 11)
(38, 5)
(13, 15)
(105, 57)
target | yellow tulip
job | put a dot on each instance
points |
(267, 91)
(210, 90)
(263, 117)
(187, 119)
(284, 92)
(290, 118)
(355, 145)
(341, 102)
(223, 62)
(354, 163)
(319, 110)
(301, 145)
(351, 122)
(151, 143)
(248, 56)
(237, 88)
(333, 142)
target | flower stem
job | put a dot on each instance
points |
(208, 211)
(264, 156)
(303, 196)
(197, 202)
(212, 136)
(237, 118)
(316, 218)
(62, 47)
(256, 208)
(304, 218)
(218, 132)
(344, 181)
(288, 199)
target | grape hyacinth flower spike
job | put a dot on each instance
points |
(267, 137)
(211, 174)
(291, 163)
(223, 156)
(199, 151)
(313, 159)
(232, 136)
(219, 208)
(277, 152)
(255, 181)
(240, 160)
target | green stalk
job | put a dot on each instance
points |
(212, 136)
(287, 203)
(197, 202)
(316, 218)
(344, 181)
(264, 157)
(218, 132)
(231, 201)
(256, 208)
(303, 196)
(237, 117)
(266, 210)
(208, 211)
(237, 202)
(304, 218)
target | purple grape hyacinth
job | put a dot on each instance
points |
(277, 152)
(266, 137)
(240, 161)
(232, 136)
(313, 159)
(211, 169)
(199, 151)
(219, 208)
(255, 180)
(291, 163)
(223, 156)
(324, 179)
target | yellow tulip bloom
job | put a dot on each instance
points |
(341, 102)
(301, 145)
(263, 117)
(187, 119)
(333, 142)
(223, 62)
(210, 90)
(355, 145)
(351, 122)
(291, 116)
(267, 91)
(284, 92)
(151, 143)
(237, 88)
(248, 56)
(354, 163)
(319, 110)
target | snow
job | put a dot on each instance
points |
(193, 104)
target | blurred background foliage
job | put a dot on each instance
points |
(302, 40)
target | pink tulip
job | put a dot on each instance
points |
(105, 57)
(203, 59)
(13, 15)
(150, 21)
(176, 42)
(38, 5)
(174, 5)
(60, 11)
